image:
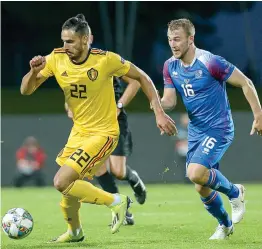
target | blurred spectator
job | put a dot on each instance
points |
(30, 160)
(181, 144)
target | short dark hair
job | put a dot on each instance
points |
(183, 23)
(77, 23)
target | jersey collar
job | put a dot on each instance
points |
(82, 62)
(192, 63)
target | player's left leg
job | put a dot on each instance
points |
(108, 183)
(214, 205)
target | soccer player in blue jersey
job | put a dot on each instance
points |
(200, 77)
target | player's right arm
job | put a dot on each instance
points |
(169, 99)
(41, 68)
(33, 79)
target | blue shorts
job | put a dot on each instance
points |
(209, 148)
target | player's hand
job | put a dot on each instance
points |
(37, 64)
(70, 114)
(257, 125)
(118, 111)
(166, 124)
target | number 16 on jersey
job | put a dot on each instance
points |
(188, 90)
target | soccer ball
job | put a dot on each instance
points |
(17, 223)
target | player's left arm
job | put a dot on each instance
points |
(68, 111)
(164, 122)
(238, 79)
(118, 67)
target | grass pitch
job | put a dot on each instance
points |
(173, 217)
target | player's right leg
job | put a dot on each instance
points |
(70, 208)
(84, 162)
(203, 170)
(214, 205)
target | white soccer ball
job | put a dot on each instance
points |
(17, 223)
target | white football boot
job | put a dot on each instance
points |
(238, 205)
(222, 232)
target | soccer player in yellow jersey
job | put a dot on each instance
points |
(86, 78)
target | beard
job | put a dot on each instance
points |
(74, 56)
(182, 54)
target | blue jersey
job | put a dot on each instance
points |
(202, 86)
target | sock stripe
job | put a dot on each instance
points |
(213, 172)
(65, 192)
(212, 198)
(99, 155)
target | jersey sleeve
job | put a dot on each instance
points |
(168, 83)
(117, 65)
(220, 68)
(48, 71)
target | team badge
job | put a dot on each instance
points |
(92, 74)
(186, 81)
(175, 74)
(198, 74)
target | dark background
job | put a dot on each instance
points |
(136, 30)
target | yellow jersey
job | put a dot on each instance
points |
(88, 88)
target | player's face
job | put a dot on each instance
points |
(179, 42)
(74, 44)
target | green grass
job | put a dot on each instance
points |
(173, 217)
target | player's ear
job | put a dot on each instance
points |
(85, 39)
(91, 38)
(191, 39)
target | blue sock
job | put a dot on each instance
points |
(214, 205)
(220, 183)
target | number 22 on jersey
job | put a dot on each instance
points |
(78, 91)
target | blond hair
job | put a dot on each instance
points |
(183, 23)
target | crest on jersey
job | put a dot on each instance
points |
(198, 74)
(186, 81)
(175, 74)
(92, 74)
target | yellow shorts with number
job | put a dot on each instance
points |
(85, 154)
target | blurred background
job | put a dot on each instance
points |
(137, 31)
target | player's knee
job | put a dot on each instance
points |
(203, 191)
(118, 172)
(117, 167)
(101, 171)
(60, 184)
(194, 177)
(197, 173)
